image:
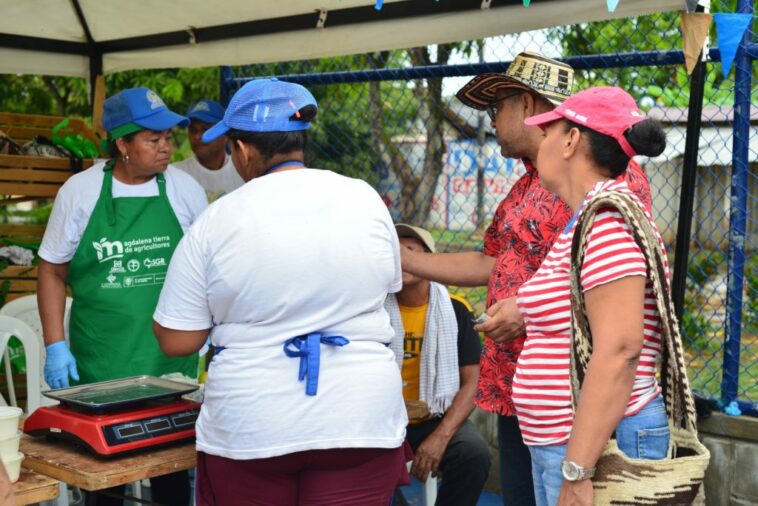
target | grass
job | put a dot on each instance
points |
(705, 368)
(451, 241)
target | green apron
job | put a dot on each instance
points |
(116, 277)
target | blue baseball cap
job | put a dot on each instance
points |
(208, 111)
(136, 109)
(264, 105)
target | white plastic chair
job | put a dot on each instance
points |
(10, 326)
(25, 309)
(430, 488)
(25, 315)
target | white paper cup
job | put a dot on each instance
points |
(9, 446)
(13, 466)
(9, 421)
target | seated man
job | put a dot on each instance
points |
(211, 166)
(438, 352)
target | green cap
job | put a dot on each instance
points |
(122, 130)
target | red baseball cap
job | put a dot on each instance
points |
(605, 109)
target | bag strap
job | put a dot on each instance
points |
(680, 404)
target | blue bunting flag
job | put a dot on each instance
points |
(729, 31)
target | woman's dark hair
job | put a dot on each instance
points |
(113, 151)
(274, 143)
(646, 138)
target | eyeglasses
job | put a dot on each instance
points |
(492, 108)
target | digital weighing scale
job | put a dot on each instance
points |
(115, 417)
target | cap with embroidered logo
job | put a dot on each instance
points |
(549, 78)
(608, 110)
(264, 105)
(136, 109)
(207, 111)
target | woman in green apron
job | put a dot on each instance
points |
(110, 237)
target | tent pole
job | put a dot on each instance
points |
(687, 195)
(97, 91)
(689, 178)
(97, 106)
(738, 219)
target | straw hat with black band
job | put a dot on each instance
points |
(551, 79)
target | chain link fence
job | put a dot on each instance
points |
(391, 118)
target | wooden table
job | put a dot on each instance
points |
(33, 487)
(71, 465)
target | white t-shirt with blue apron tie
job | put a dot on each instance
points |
(77, 198)
(288, 254)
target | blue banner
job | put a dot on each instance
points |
(729, 31)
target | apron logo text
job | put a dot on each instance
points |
(108, 250)
(154, 262)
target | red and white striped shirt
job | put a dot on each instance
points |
(541, 388)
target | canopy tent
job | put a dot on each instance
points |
(87, 38)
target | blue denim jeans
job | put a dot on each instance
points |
(641, 436)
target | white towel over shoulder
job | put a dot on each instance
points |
(439, 379)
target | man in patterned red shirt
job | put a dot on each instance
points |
(524, 227)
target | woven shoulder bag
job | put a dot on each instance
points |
(619, 479)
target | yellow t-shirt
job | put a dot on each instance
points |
(414, 321)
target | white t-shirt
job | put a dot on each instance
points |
(288, 254)
(77, 198)
(216, 182)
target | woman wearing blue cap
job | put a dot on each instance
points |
(288, 274)
(110, 237)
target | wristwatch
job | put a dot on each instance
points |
(574, 472)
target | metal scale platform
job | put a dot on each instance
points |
(120, 416)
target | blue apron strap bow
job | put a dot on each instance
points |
(308, 348)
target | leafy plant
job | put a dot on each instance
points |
(703, 266)
(697, 331)
(662, 85)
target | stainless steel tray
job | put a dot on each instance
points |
(119, 393)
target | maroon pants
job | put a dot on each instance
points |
(338, 477)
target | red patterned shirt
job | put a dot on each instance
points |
(523, 230)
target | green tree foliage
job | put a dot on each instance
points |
(344, 132)
(62, 96)
(69, 96)
(177, 87)
(666, 85)
(367, 129)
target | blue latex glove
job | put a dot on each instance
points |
(59, 365)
